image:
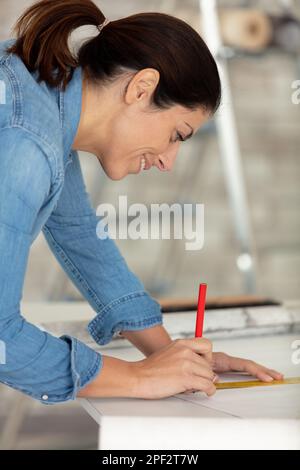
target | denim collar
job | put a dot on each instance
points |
(70, 109)
(69, 101)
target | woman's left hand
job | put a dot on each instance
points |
(224, 363)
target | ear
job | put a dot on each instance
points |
(142, 86)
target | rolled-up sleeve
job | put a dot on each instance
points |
(47, 368)
(41, 365)
(96, 266)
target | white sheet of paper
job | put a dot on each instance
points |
(277, 401)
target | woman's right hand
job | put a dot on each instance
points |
(184, 365)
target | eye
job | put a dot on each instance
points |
(178, 138)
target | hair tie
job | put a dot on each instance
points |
(101, 26)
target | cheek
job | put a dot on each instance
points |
(128, 140)
(159, 136)
(124, 135)
(141, 132)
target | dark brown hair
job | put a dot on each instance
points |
(188, 72)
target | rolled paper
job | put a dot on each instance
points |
(246, 29)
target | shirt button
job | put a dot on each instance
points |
(45, 397)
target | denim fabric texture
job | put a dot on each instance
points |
(42, 189)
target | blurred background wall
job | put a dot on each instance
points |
(268, 128)
(268, 125)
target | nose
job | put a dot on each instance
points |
(165, 161)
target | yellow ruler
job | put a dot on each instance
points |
(256, 383)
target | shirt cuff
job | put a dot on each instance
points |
(134, 311)
(85, 366)
(43, 366)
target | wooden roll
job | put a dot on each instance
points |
(250, 30)
(244, 29)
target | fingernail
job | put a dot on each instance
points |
(216, 378)
(269, 378)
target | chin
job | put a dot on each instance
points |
(115, 175)
(112, 171)
(116, 171)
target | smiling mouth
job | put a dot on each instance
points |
(145, 165)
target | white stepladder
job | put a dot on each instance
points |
(231, 158)
(230, 149)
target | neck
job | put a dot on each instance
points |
(94, 118)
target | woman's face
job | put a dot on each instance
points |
(140, 141)
(135, 136)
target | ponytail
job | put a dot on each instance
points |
(42, 36)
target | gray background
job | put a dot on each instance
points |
(268, 126)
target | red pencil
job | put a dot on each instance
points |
(200, 310)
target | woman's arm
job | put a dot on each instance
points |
(39, 364)
(116, 379)
(150, 340)
(181, 366)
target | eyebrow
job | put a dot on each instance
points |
(191, 134)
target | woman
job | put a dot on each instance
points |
(136, 90)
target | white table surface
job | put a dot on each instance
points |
(174, 424)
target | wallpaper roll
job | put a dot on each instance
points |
(246, 29)
(250, 30)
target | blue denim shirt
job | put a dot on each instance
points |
(41, 188)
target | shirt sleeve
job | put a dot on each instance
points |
(96, 266)
(45, 367)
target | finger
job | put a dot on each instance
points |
(200, 346)
(257, 370)
(201, 371)
(274, 373)
(203, 385)
(271, 372)
(201, 360)
(215, 380)
(265, 374)
(208, 347)
(238, 364)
